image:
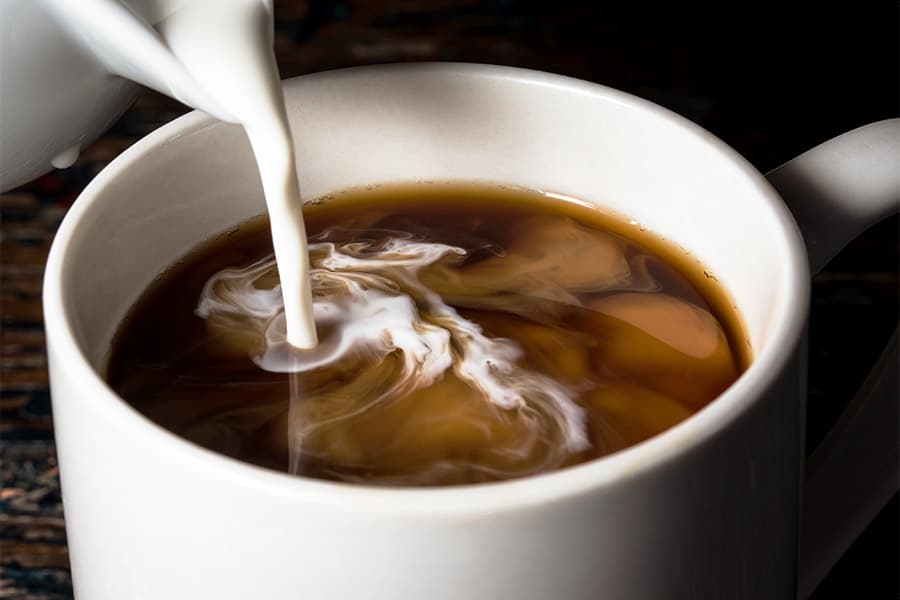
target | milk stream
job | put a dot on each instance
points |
(227, 48)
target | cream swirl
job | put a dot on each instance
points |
(369, 305)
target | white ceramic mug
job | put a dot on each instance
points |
(708, 509)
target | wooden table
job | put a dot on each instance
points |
(770, 84)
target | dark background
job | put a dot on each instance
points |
(771, 81)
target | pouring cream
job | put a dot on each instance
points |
(214, 55)
(227, 48)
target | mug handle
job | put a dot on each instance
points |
(836, 191)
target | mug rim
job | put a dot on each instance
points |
(784, 335)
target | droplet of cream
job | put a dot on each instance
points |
(66, 158)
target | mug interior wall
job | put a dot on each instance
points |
(362, 127)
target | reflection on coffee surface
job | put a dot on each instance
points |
(467, 333)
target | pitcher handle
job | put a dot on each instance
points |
(836, 191)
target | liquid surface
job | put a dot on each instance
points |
(468, 333)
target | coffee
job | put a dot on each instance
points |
(467, 333)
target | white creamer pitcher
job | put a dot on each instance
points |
(68, 69)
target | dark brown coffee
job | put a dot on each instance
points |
(468, 333)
